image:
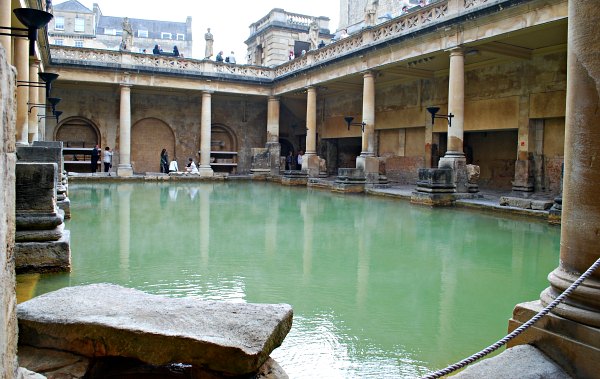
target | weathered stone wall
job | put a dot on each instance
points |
(160, 116)
(8, 321)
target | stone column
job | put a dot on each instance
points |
(34, 68)
(205, 135)
(310, 160)
(273, 134)
(570, 334)
(524, 165)
(581, 206)
(368, 115)
(455, 157)
(22, 65)
(367, 160)
(5, 20)
(273, 120)
(41, 113)
(125, 168)
(8, 158)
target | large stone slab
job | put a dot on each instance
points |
(108, 320)
(524, 362)
(44, 256)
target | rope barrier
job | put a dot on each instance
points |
(450, 369)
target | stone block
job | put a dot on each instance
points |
(458, 165)
(572, 345)
(524, 179)
(65, 206)
(438, 180)
(433, 199)
(53, 363)
(48, 256)
(541, 205)
(523, 361)
(515, 202)
(36, 187)
(45, 154)
(261, 159)
(102, 320)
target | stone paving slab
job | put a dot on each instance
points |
(109, 320)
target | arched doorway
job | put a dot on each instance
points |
(148, 137)
(223, 148)
(77, 132)
(79, 136)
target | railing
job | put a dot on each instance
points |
(150, 62)
(281, 16)
(429, 15)
(396, 27)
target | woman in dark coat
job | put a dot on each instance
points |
(164, 161)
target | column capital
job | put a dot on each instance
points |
(207, 92)
(369, 73)
(274, 98)
(456, 50)
(125, 85)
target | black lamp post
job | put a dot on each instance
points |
(434, 115)
(52, 100)
(33, 19)
(54, 114)
(350, 123)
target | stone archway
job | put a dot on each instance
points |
(77, 132)
(148, 137)
(222, 138)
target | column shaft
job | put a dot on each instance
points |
(42, 113)
(311, 122)
(273, 120)
(368, 115)
(205, 134)
(5, 20)
(456, 101)
(22, 65)
(125, 168)
(32, 122)
(581, 207)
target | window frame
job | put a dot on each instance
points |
(57, 25)
(79, 23)
(163, 35)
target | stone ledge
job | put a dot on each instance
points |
(101, 320)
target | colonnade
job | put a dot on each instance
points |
(17, 53)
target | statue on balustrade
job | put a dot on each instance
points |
(127, 37)
(313, 34)
(371, 12)
(208, 52)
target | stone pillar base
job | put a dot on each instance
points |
(40, 257)
(260, 173)
(206, 172)
(555, 213)
(523, 176)
(349, 180)
(65, 206)
(433, 199)
(125, 170)
(435, 180)
(274, 149)
(311, 164)
(458, 164)
(294, 178)
(574, 346)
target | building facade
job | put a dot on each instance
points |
(76, 25)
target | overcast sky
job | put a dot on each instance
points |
(228, 20)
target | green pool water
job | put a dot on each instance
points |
(380, 288)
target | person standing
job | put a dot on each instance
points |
(164, 161)
(95, 158)
(175, 51)
(107, 159)
(299, 159)
(289, 161)
(231, 58)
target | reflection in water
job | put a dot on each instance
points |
(379, 288)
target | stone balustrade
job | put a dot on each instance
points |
(433, 14)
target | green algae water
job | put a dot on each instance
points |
(380, 288)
